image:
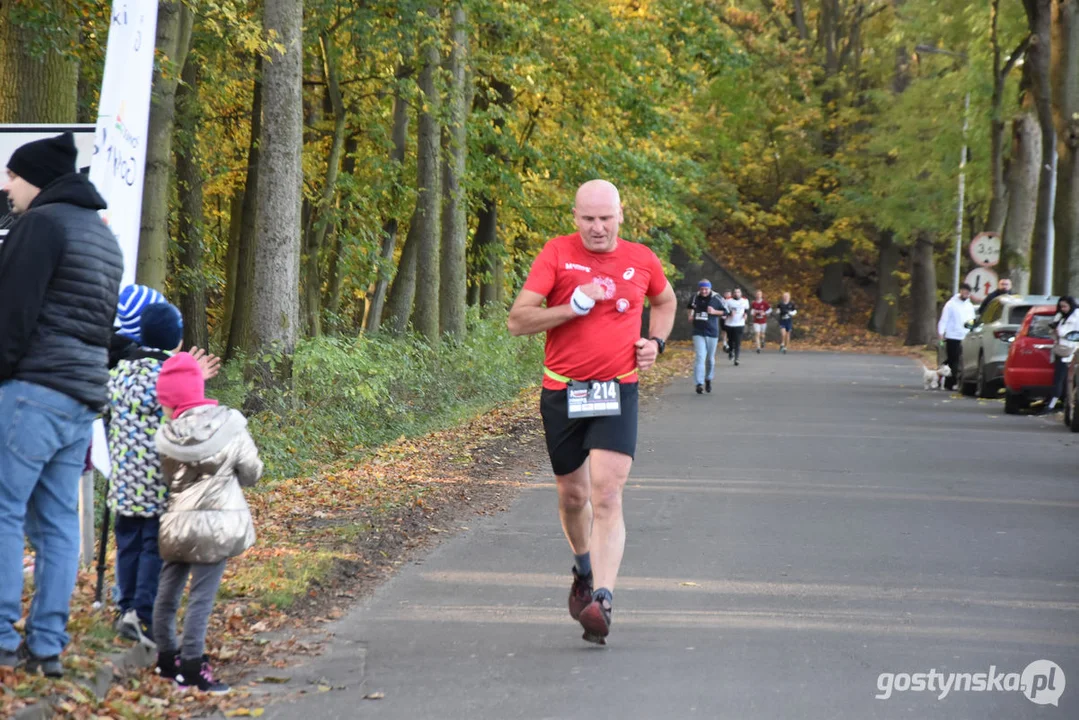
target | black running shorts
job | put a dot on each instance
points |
(569, 441)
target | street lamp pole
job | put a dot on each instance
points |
(962, 192)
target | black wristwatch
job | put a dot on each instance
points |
(659, 343)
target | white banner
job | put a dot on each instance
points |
(119, 162)
(123, 114)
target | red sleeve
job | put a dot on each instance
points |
(542, 275)
(657, 281)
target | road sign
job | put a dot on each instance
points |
(982, 281)
(985, 249)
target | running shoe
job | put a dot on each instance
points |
(580, 593)
(596, 621)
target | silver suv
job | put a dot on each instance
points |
(985, 348)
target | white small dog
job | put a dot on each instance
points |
(933, 379)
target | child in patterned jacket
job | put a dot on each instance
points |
(138, 493)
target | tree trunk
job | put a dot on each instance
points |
(236, 203)
(174, 20)
(1064, 76)
(453, 284)
(332, 301)
(275, 311)
(312, 276)
(998, 199)
(240, 326)
(885, 310)
(404, 282)
(428, 181)
(923, 292)
(1037, 64)
(192, 280)
(998, 196)
(389, 226)
(1023, 173)
(489, 254)
(35, 88)
(486, 257)
(799, 20)
(833, 288)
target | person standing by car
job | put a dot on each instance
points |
(952, 328)
(705, 310)
(1065, 321)
(1004, 286)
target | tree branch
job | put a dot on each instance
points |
(1019, 51)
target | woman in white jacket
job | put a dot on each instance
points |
(1066, 321)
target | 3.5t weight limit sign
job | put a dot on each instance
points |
(985, 249)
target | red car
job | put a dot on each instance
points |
(1028, 372)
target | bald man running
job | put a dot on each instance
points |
(587, 291)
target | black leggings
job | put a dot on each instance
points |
(954, 349)
(1060, 378)
(734, 339)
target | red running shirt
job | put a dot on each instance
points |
(599, 345)
(760, 311)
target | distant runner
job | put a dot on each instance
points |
(727, 297)
(737, 308)
(705, 310)
(761, 310)
(786, 311)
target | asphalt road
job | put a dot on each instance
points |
(816, 521)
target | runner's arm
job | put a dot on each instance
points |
(528, 316)
(661, 318)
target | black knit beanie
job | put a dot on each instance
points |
(42, 161)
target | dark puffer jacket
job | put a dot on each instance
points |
(60, 272)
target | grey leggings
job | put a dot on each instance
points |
(205, 579)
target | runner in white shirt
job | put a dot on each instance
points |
(723, 322)
(737, 307)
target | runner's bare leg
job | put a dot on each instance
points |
(575, 507)
(609, 472)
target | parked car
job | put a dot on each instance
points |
(986, 346)
(1028, 372)
(1071, 391)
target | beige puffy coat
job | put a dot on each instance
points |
(206, 455)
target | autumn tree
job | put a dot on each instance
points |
(275, 315)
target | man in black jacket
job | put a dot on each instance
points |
(1004, 286)
(60, 271)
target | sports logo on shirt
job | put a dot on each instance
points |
(607, 284)
(622, 305)
(628, 274)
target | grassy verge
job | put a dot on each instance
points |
(354, 394)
